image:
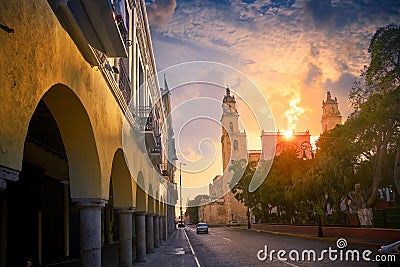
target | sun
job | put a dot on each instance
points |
(288, 134)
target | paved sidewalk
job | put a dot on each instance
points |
(367, 241)
(174, 252)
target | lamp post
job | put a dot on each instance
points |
(180, 188)
(304, 146)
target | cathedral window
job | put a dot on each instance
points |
(231, 126)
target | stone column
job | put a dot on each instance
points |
(90, 231)
(140, 228)
(164, 237)
(125, 236)
(149, 233)
(3, 185)
(7, 174)
(161, 230)
(156, 225)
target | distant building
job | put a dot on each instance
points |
(330, 113)
(223, 209)
(215, 188)
(283, 142)
(254, 155)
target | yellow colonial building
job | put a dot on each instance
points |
(86, 151)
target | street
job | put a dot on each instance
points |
(233, 246)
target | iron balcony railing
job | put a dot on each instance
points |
(122, 29)
(165, 171)
(145, 118)
(124, 81)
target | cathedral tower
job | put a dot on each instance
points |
(330, 113)
(233, 141)
(234, 147)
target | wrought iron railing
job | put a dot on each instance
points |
(122, 29)
(156, 150)
(124, 81)
(145, 118)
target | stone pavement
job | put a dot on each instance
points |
(175, 251)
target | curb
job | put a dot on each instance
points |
(333, 239)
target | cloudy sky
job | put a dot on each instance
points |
(293, 50)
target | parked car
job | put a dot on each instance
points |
(233, 223)
(391, 249)
(202, 228)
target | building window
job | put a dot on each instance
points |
(235, 145)
(231, 126)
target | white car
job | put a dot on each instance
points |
(233, 223)
(202, 228)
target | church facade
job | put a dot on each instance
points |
(222, 210)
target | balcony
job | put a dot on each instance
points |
(124, 81)
(147, 127)
(93, 23)
(166, 171)
(156, 154)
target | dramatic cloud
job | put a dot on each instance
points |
(160, 11)
(294, 50)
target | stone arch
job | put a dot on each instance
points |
(124, 186)
(78, 138)
(140, 194)
(286, 145)
(43, 192)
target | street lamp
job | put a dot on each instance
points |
(304, 146)
(180, 188)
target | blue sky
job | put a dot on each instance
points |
(293, 50)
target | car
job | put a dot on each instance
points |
(388, 251)
(181, 224)
(202, 228)
(233, 223)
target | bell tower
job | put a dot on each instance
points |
(330, 113)
(234, 147)
(233, 141)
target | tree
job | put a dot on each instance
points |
(242, 181)
(376, 119)
(277, 190)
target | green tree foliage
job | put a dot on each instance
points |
(363, 148)
(286, 187)
(375, 122)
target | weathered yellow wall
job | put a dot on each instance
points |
(40, 56)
